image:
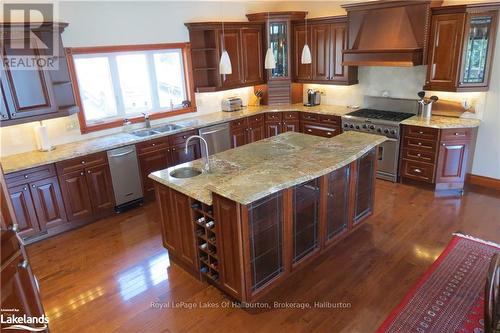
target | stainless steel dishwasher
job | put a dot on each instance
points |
(126, 177)
(218, 138)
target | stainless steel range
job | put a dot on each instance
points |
(382, 116)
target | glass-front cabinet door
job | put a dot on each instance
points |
(477, 55)
(337, 212)
(265, 232)
(305, 227)
(365, 182)
(278, 40)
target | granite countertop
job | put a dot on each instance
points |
(255, 170)
(63, 152)
(442, 122)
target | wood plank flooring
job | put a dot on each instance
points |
(105, 276)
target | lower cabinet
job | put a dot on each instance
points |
(452, 161)
(364, 186)
(337, 200)
(150, 162)
(100, 188)
(76, 195)
(24, 210)
(320, 125)
(48, 202)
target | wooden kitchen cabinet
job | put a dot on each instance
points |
(35, 94)
(48, 202)
(461, 44)
(327, 38)
(150, 162)
(242, 41)
(320, 125)
(24, 210)
(247, 130)
(238, 136)
(337, 199)
(452, 161)
(76, 195)
(100, 187)
(364, 182)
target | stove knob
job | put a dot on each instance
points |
(379, 130)
(393, 131)
(372, 127)
(351, 126)
(357, 126)
(345, 125)
(386, 131)
(364, 126)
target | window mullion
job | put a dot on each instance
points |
(115, 78)
(153, 81)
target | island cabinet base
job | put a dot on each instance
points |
(247, 250)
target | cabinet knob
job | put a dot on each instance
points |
(83, 162)
(173, 149)
(184, 137)
(25, 176)
(420, 132)
(444, 144)
(14, 227)
(88, 171)
(23, 264)
(25, 188)
(417, 170)
(81, 173)
(329, 133)
(457, 134)
(168, 150)
(13, 114)
(420, 143)
(33, 185)
(309, 130)
(154, 144)
(419, 155)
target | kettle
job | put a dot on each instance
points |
(425, 110)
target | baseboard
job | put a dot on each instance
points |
(483, 181)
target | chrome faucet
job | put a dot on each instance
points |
(146, 120)
(206, 159)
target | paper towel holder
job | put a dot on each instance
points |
(42, 138)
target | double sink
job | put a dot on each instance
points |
(157, 130)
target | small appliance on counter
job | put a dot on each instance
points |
(425, 109)
(313, 97)
(231, 104)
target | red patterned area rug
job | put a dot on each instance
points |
(450, 295)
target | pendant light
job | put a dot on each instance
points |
(269, 62)
(225, 62)
(306, 51)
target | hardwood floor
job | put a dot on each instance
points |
(105, 276)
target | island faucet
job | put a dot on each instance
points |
(206, 160)
(146, 120)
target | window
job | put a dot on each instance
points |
(117, 83)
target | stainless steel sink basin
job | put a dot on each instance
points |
(185, 173)
(144, 132)
(167, 128)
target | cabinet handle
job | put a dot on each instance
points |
(309, 130)
(420, 143)
(13, 114)
(419, 155)
(173, 149)
(25, 188)
(88, 171)
(154, 144)
(329, 133)
(33, 185)
(23, 264)
(420, 132)
(14, 227)
(417, 170)
(168, 150)
(81, 173)
(457, 134)
(184, 137)
(25, 176)
(444, 144)
(83, 162)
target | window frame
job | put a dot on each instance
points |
(188, 80)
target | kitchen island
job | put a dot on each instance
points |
(266, 209)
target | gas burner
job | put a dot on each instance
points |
(381, 115)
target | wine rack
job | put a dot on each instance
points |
(206, 240)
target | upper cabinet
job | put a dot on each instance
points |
(461, 44)
(327, 39)
(242, 41)
(35, 81)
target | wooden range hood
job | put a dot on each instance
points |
(388, 32)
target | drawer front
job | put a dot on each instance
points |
(418, 171)
(457, 134)
(151, 146)
(80, 163)
(181, 138)
(30, 175)
(326, 132)
(331, 120)
(419, 144)
(290, 115)
(305, 116)
(421, 132)
(273, 116)
(235, 124)
(257, 119)
(419, 155)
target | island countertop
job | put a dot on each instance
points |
(253, 171)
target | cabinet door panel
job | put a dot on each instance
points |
(30, 90)
(151, 162)
(337, 216)
(291, 126)
(320, 52)
(238, 136)
(338, 42)
(273, 129)
(301, 71)
(251, 41)
(100, 188)
(24, 210)
(76, 195)
(48, 202)
(231, 42)
(305, 219)
(182, 209)
(4, 111)
(178, 153)
(451, 163)
(444, 53)
(256, 132)
(168, 221)
(365, 168)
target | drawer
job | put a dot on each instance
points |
(418, 171)
(331, 120)
(326, 132)
(151, 146)
(457, 134)
(273, 116)
(30, 175)
(421, 132)
(290, 115)
(238, 123)
(419, 144)
(256, 119)
(181, 138)
(80, 163)
(419, 155)
(305, 116)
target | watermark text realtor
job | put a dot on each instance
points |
(30, 37)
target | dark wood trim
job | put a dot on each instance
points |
(483, 181)
(188, 74)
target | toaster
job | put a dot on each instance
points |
(231, 104)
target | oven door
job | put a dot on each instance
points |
(388, 159)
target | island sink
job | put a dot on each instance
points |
(255, 220)
(185, 173)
